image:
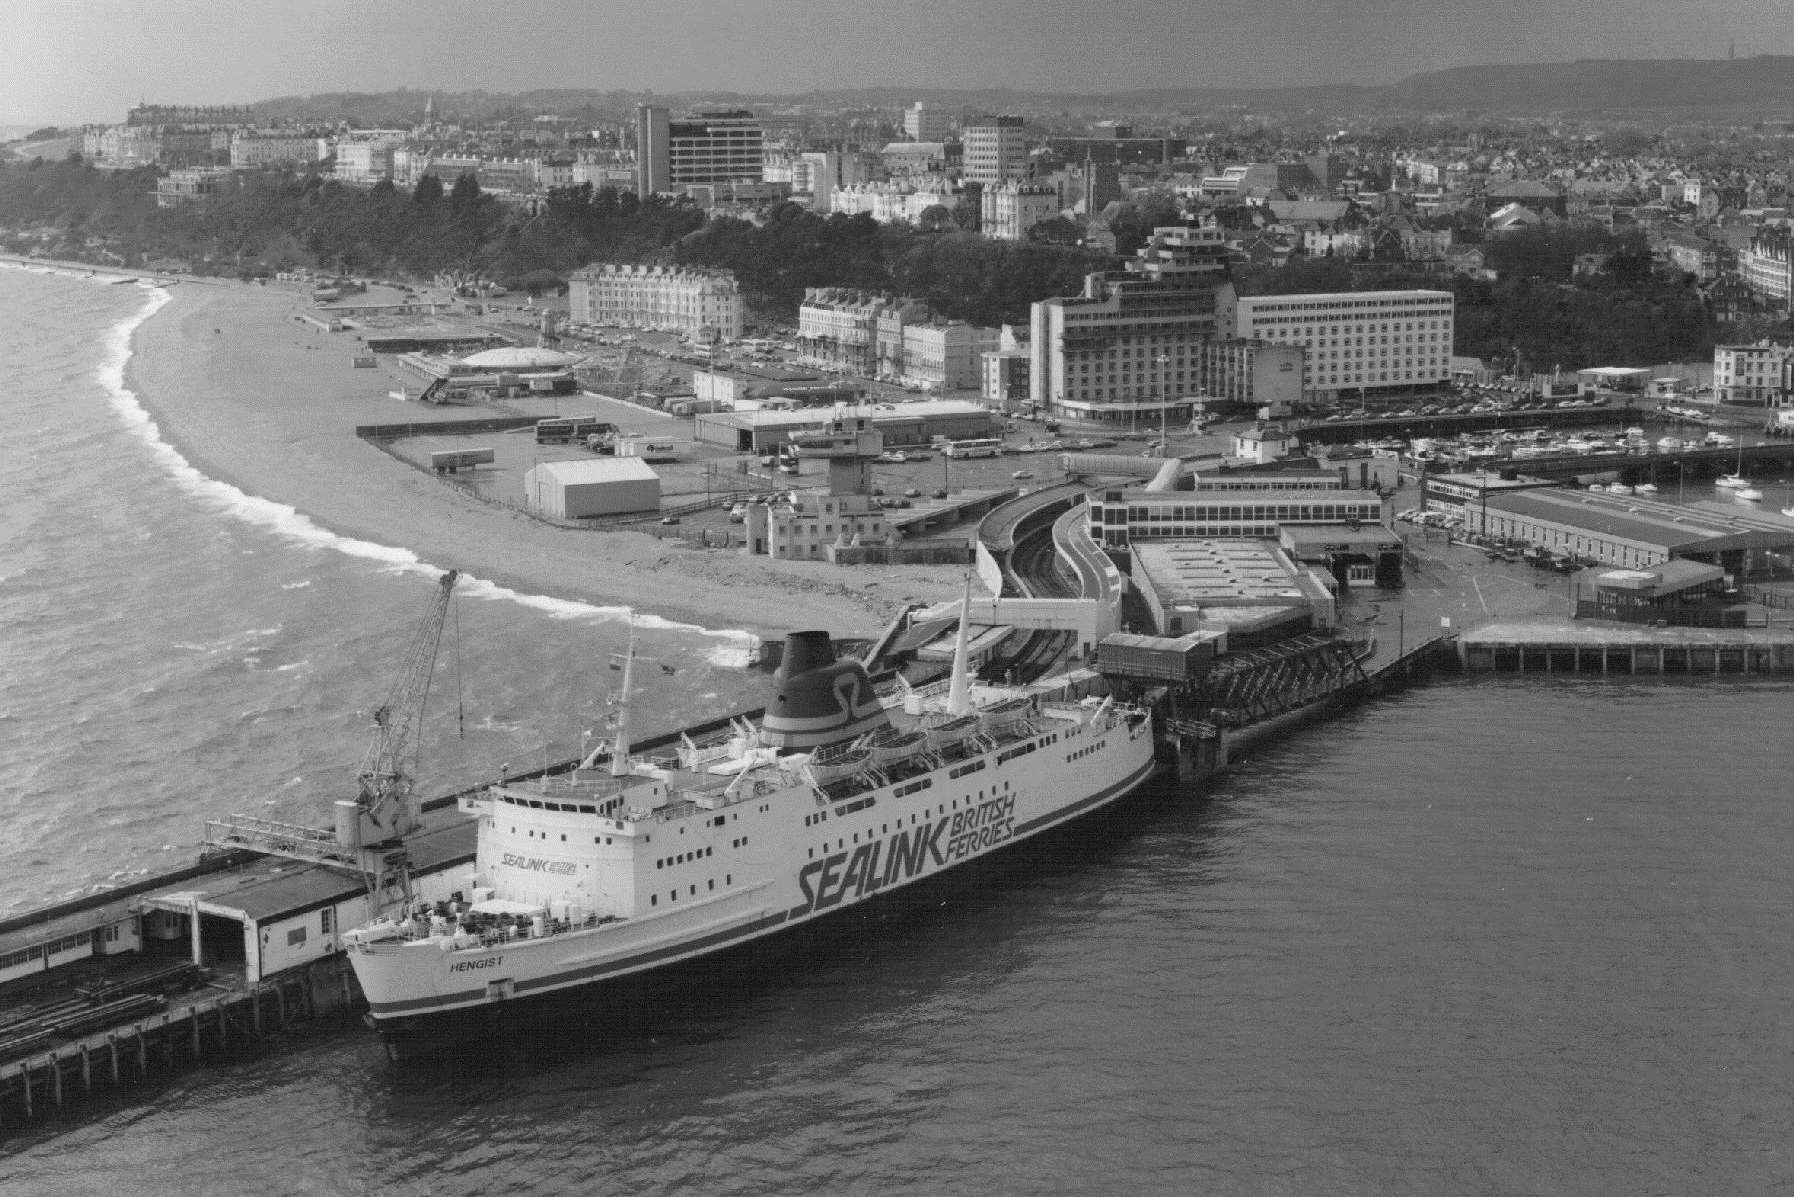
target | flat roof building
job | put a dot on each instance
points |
(996, 150)
(1252, 591)
(1359, 343)
(1119, 517)
(1629, 532)
(726, 146)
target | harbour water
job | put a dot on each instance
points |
(1515, 935)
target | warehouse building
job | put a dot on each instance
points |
(1631, 533)
(573, 490)
(902, 424)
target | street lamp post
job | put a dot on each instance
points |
(1164, 437)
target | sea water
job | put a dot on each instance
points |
(1504, 936)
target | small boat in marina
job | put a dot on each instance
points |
(1747, 494)
(1732, 481)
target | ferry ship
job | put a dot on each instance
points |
(839, 795)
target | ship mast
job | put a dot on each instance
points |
(959, 698)
(619, 753)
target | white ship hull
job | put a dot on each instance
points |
(615, 890)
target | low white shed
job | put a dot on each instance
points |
(598, 486)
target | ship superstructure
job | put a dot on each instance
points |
(838, 795)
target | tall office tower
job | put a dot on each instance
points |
(708, 147)
(996, 150)
(922, 123)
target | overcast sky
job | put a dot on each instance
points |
(90, 60)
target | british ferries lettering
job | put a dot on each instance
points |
(850, 875)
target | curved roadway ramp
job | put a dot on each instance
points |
(1022, 601)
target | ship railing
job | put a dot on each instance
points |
(495, 934)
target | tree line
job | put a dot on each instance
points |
(1540, 312)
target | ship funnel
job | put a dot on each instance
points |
(818, 700)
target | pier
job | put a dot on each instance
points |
(125, 1043)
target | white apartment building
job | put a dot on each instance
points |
(1008, 210)
(1767, 266)
(899, 199)
(1128, 347)
(840, 327)
(922, 123)
(819, 172)
(364, 162)
(945, 356)
(995, 150)
(705, 305)
(1354, 342)
(251, 149)
(1752, 374)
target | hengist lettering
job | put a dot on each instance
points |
(537, 864)
(467, 966)
(863, 871)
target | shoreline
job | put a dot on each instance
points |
(250, 398)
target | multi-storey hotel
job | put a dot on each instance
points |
(709, 147)
(1354, 343)
(702, 304)
(1128, 347)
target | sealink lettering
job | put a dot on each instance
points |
(851, 875)
(829, 881)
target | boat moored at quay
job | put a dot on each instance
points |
(839, 795)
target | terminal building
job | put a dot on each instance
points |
(1253, 591)
(1119, 518)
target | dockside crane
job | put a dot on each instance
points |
(370, 829)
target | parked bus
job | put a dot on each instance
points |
(973, 448)
(566, 430)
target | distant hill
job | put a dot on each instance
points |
(1596, 84)
(1587, 87)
